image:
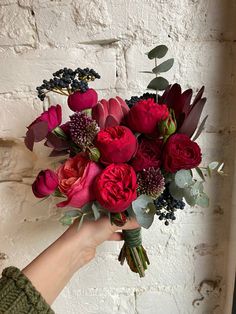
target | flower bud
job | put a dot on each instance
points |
(79, 101)
(45, 183)
(119, 219)
(168, 126)
(94, 154)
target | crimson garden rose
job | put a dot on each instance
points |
(148, 154)
(144, 116)
(116, 187)
(45, 183)
(116, 144)
(79, 101)
(76, 180)
(181, 153)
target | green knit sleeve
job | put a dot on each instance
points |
(18, 295)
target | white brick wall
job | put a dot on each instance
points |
(192, 255)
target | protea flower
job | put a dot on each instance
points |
(109, 113)
(187, 115)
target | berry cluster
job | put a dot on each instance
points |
(132, 101)
(166, 205)
(66, 81)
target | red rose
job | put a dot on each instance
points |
(79, 101)
(76, 180)
(148, 155)
(116, 144)
(181, 153)
(144, 116)
(43, 125)
(116, 187)
(45, 183)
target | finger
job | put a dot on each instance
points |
(116, 236)
(131, 224)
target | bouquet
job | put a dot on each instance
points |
(135, 158)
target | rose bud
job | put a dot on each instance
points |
(45, 183)
(43, 125)
(119, 219)
(110, 112)
(116, 144)
(168, 126)
(115, 187)
(181, 153)
(76, 180)
(79, 101)
(144, 116)
(148, 154)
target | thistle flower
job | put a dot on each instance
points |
(151, 182)
(83, 129)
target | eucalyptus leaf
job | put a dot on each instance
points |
(69, 217)
(197, 188)
(81, 221)
(203, 200)
(158, 83)
(147, 72)
(200, 173)
(130, 212)
(96, 212)
(66, 220)
(158, 52)
(143, 214)
(213, 165)
(183, 178)
(73, 213)
(175, 191)
(190, 198)
(164, 66)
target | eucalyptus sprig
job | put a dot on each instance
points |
(159, 83)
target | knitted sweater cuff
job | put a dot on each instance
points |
(19, 286)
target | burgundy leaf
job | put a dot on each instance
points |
(40, 130)
(199, 95)
(56, 142)
(186, 100)
(191, 121)
(29, 140)
(200, 128)
(56, 153)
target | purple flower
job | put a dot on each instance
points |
(151, 182)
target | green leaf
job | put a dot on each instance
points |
(175, 191)
(203, 200)
(148, 72)
(81, 221)
(158, 83)
(143, 213)
(213, 165)
(69, 217)
(130, 211)
(197, 188)
(183, 178)
(200, 173)
(158, 52)
(190, 198)
(96, 212)
(164, 66)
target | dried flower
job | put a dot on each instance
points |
(151, 182)
(83, 129)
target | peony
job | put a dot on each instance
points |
(148, 155)
(116, 144)
(144, 116)
(79, 101)
(76, 180)
(43, 125)
(116, 187)
(110, 112)
(45, 183)
(181, 153)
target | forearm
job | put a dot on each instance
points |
(55, 266)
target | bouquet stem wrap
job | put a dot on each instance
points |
(133, 252)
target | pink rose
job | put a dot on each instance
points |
(45, 183)
(79, 101)
(76, 180)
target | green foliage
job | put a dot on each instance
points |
(69, 217)
(164, 66)
(144, 210)
(183, 178)
(158, 52)
(158, 83)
